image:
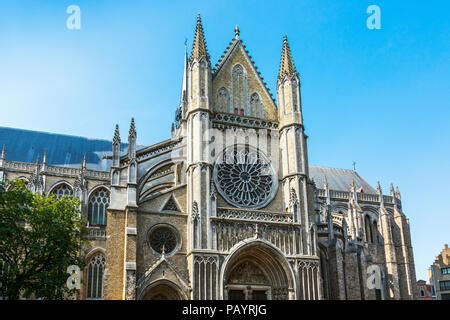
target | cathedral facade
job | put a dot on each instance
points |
(229, 207)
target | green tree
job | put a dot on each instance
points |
(40, 237)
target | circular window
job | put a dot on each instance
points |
(245, 177)
(163, 238)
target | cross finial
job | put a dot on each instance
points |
(237, 32)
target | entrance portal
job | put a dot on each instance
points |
(257, 271)
(162, 292)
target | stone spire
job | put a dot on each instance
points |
(132, 131)
(392, 190)
(116, 139)
(397, 193)
(183, 98)
(84, 163)
(132, 140)
(116, 147)
(199, 46)
(287, 67)
(380, 194)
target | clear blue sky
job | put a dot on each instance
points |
(380, 98)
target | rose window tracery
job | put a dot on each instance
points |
(163, 238)
(245, 177)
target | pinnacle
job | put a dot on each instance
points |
(287, 67)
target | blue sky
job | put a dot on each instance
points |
(377, 97)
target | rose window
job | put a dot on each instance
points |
(245, 177)
(163, 238)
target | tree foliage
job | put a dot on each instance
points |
(40, 237)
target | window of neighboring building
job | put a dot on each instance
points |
(95, 271)
(444, 285)
(445, 270)
(98, 203)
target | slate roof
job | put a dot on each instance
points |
(26, 145)
(339, 179)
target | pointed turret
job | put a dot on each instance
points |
(44, 161)
(116, 147)
(288, 90)
(287, 67)
(183, 97)
(199, 49)
(199, 75)
(132, 140)
(3, 155)
(83, 163)
(397, 193)
(380, 194)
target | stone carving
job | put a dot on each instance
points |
(249, 273)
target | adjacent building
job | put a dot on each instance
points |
(424, 291)
(440, 274)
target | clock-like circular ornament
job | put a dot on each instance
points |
(245, 177)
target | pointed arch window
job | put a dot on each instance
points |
(368, 226)
(376, 236)
(239, 87)
(62, 190)
(95, 275)
(256, 107)
(223, 100)
(98, 203)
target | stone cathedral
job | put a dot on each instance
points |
(229, 207)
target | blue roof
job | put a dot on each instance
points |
(26, 145)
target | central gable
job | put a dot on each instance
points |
(238, 88)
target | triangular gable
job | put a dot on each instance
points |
(232, 50)
(171, 205)
(163, 269)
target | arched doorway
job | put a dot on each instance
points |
(257, 271)
(162, 290)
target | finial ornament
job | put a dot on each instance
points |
(325, 182)
(379, 188)
(397, 192)
(116, 139)
(132, 131)
(83, 162)
(237, 32)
